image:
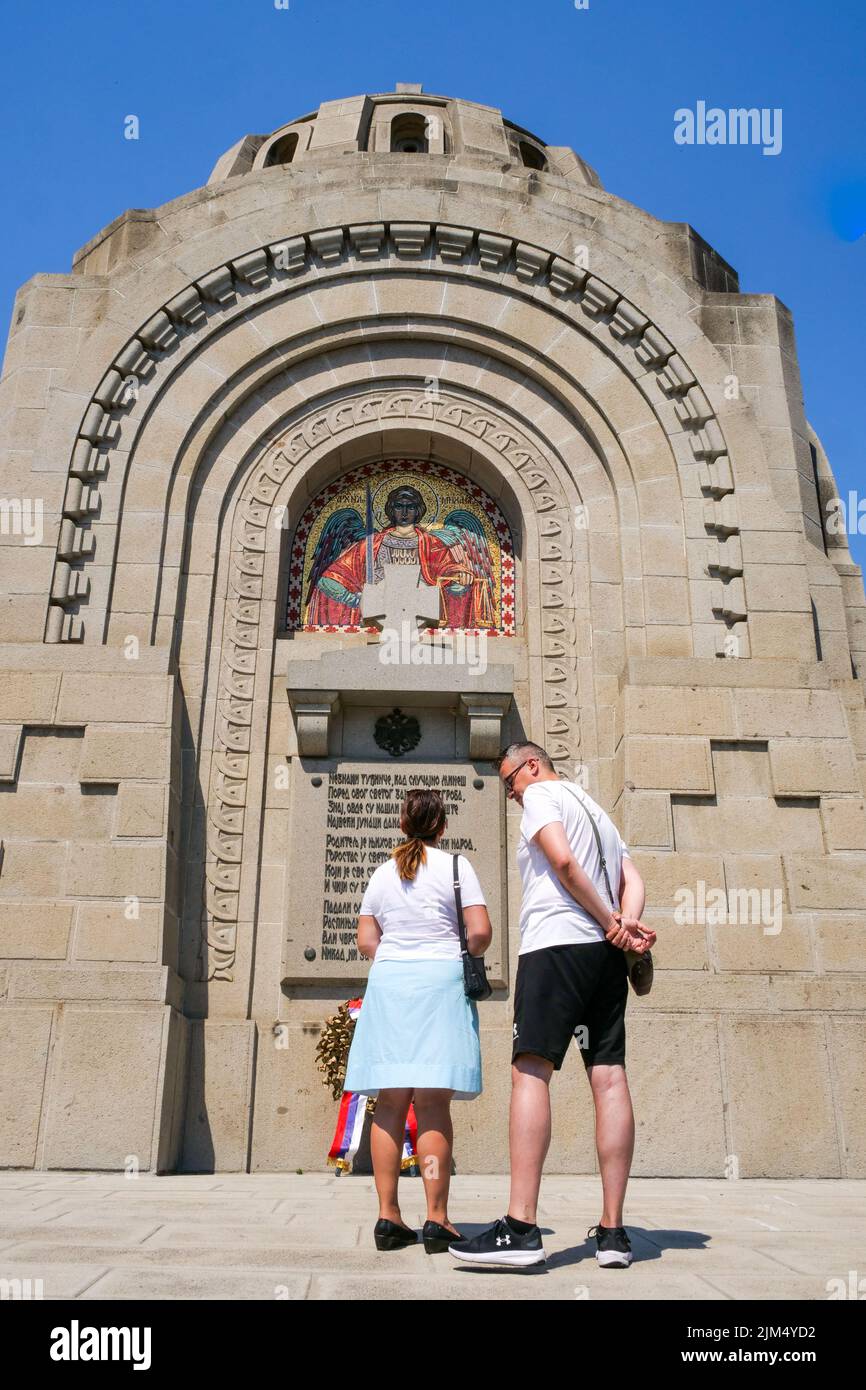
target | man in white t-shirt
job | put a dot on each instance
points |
(578, 915)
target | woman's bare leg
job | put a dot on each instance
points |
(386, 1148)
(435, 1145)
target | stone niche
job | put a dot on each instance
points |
(366, 733)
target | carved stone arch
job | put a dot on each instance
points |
(658, 369)
(572, 451)
(244, 649)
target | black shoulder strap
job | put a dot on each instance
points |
(596, 833)
(461, 925)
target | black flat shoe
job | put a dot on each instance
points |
(438, 1238)
(389, 1236)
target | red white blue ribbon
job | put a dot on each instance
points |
(350, 1124)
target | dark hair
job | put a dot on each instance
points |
(524, 750)
(424, 814)
(417, 500)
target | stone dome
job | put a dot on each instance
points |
(406, 122)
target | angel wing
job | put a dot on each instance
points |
(464, 535)
(342, 529)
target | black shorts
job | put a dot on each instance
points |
(561, 989)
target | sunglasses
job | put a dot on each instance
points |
(508, 782)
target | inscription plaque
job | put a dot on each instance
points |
(342, 829)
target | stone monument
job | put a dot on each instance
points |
(399, 440)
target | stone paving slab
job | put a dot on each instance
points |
(309, 1237)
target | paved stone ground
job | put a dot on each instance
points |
(309, 1236)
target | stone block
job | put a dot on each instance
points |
(113, 755)
(141, 810)
(35, 931)
(779, 1084)
(821, 882)
(105, 1088)
(32, 871)
(10, 744)
(663, 553)
(777, 588)
(669, 641)
(123, 983)
(665, 874)
(648, 820)
(113, 871)
(29, 697)
(666, 599)
(741, 769)
(809, 766)
(219, 1098)
(115, 698)
(50, 756)
(25, 1034)
(691, 1090)
(669, 764)
(838, 941)
(118, 931)
(752, 945)
(293, 1110)
(761, 871)
(55, 813)
(700, 992)
(744, 824)
(22, 618)
(679, 946)
(848, 1044)
(844, 820)
(679, 710)
(782, 636)
(788, 713)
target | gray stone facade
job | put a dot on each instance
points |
(688, 638)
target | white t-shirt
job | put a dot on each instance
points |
(549, 915)
(418, 917)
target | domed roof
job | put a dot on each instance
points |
(405, 122)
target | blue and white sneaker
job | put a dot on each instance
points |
(500, 1245)
(614, 1246)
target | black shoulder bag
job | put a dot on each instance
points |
(475, 981)
(640, 966)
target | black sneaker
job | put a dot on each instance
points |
(499, 1245)
(614, 1246)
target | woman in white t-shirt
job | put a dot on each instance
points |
(417, 1032)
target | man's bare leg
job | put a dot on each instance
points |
(614, 1136)
(529, 1132)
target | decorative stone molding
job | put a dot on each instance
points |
(241, 643)
(136, 366)
(485, 714)
(312, 711)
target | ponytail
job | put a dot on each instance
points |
(424, 817)
(409, 855)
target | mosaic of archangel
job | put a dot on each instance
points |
(402, 511)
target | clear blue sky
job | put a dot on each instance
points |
(606, 81)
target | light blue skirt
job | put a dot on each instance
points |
(417, 1029)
